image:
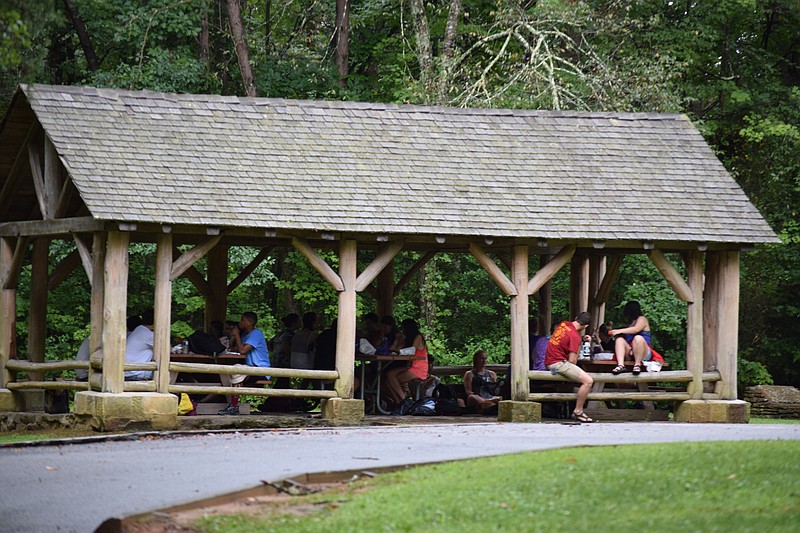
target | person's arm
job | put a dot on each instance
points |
(468, 383)
(640, 325)
(237, 342)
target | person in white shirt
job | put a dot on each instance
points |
(139, 348)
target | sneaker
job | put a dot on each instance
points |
(230, 410)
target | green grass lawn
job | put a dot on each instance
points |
(719, 486)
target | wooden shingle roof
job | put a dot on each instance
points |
(142, 156)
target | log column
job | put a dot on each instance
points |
(579, 285)
(346, 325)
(385, 304)
(597, 271)
(97, 304)
(727, 329)
(520, 361)
(8, 308)
(545, 309)
(217, 301)
(694, 324)
(711, 316)
(37, 317)
(114, 311)
(163, 310)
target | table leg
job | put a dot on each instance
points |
(648, 405)
(595, 404)
(378, 394)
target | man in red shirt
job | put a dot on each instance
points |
(562, 354)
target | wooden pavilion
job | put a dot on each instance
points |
(525, 192)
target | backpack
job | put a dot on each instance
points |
(424, 407)
(205, 343)
(447, 407)
(444, 391)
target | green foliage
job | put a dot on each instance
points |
(752, 373)
(724, 486)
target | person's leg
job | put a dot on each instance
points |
(575, 373)
(621, 348)
(586, 382)
(392, 386)
(640, 351)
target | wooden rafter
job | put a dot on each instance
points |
(318, 263)
(246, 271)
(497, 275)
(190, 257)
(382, 258)
(551, 268)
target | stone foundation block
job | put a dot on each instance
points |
(8, 403)
(720, 411)
(127, 410)
(511, 411)
(30, 400)
(343, 411)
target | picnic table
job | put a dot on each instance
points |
(605, 366)
(380, 362)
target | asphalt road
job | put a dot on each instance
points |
(76, 487)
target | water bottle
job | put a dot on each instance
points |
(586, 350)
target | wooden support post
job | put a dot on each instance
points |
(114, 310)
(520, 361)
(728, 326)
(383, 258)
(346, 325)
(579, 285)
(711, 315)
(191, 256)
(162, 310)
(319, 263)
(597, 308)
(550, 268)
(694, 324)
(217, 302)
(672, 276)
(8, 309)
(97, 301)
(385, 297)
(406, 279)
(37, 316)
(545, 293)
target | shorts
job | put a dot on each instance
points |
(567, 369)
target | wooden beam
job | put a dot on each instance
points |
(65, 196)
(549, 270)
(346, 323)
(672, 276)
(51, 228)
(497, 275)
(597, 270)
(694, 324)
(319, 264)
(710, 314)
(612, 270)
(406, 279)
(217, 277)
(520, 349)
(10, 278)
(545, 301)
(52, 177)
(114, 310)
(199, 282)
(85, 254)
(162, 310)
(382, 258)
(384, 295)
(35, 160)
(246, 271)
(63, 269)
(190, 257)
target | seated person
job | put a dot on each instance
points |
(635, 339)
(408, 342)
(604, 342)
(82, 355)
(248, 340)
(139, 348)
(481, 384)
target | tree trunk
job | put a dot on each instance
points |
(204, 41)
(448, 46)
(342, 40)
(267, 24)
(86, 43)
(242, 51)
(423, 34)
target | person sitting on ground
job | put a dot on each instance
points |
(409, 342)
(480, 384)
(82, 355)
(562, 354)
(139, 347)
(248, 340)
(635, 339)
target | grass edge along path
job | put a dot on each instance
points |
(708, 486)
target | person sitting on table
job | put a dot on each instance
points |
(248, 340)
(633, 339)
(139, 347)
(562, 354)
(480, 384)
(408, 342)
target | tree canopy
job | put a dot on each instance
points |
(733, 66)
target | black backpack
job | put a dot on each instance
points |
(205, 343)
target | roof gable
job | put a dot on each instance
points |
(141, 156)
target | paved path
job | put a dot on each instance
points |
(76, 487)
